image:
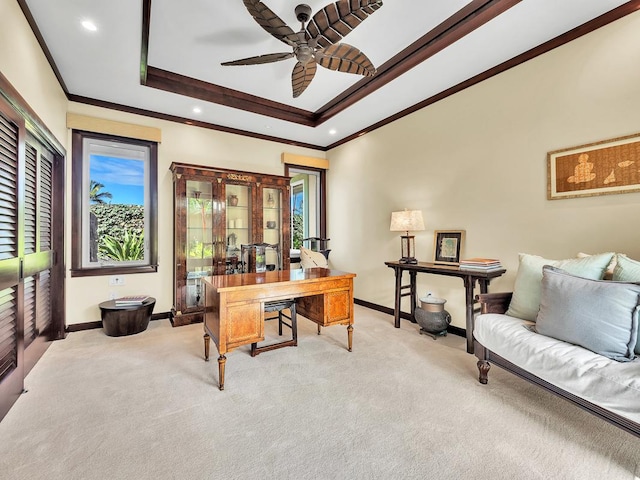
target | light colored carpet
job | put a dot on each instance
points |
(400, 406)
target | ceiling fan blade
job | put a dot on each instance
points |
(302, 76)
(267, 58)
(345, 58)
(337, 20)
(271, 22)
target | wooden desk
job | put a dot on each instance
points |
(468, 277)
(234, 305)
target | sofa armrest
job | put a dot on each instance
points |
(494, 302)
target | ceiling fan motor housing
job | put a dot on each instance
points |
(303, 12)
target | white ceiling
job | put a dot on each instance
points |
(192, 37)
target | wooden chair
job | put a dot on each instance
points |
(253, 257)
(318, 244)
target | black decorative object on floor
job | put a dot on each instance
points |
(432, 316)
(120, 320)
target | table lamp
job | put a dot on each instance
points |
(407, 221)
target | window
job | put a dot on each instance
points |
(307, 205)
(114, 205)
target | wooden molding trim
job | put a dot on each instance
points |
(460, 24)
(110, 127)
(78, 327)
(33, 123)
(302, 161)
(194, 88)
(558, 41)
(188, 121)
(467, 19)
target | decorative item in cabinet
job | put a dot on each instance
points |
(239, 226)
(216, 211)
(273, 220)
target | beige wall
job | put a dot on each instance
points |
(25, 66)
(180, 143)
(477, 161)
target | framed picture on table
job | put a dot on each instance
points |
(447, 246)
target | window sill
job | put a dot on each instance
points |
(116, 270)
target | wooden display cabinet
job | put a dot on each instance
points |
(216, 211)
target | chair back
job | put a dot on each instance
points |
(260, 257)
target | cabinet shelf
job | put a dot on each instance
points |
(252, 191)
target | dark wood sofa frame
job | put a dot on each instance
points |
(499, 303)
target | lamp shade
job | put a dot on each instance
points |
(406, 221)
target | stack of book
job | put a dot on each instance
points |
(131, 300)
(481, 264)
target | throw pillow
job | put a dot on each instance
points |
(601, 316)
(626, 270)
(311, 259)
(526, 290)
(608, 275)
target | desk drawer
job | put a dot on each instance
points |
(333, 307)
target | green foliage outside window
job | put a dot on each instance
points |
(297, 221)
(130, 247)
(120, 231)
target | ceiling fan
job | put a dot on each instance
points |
(317, 43)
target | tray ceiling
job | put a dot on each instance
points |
(163, 58)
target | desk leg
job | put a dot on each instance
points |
(484, 285)
(221, 362)
(469, 284)
(206, 346)
(396, 317)
(350, 336)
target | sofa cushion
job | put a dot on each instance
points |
(526, 291)
(613, 385)
(311, 259)
(599, 315)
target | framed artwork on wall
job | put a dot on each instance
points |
(447, 246)
(610, 166)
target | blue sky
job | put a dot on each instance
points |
(123, 178)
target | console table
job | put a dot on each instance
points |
(468, 277)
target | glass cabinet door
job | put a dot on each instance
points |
(200, 241)
(272, 220)
(238, 227)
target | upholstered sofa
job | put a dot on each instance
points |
(568, 331)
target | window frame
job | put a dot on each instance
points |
(290, 171)
(79, 174)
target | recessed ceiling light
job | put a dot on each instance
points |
(89, 25)
(197, 110)
(333, 131)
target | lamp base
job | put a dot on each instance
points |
(411, 260)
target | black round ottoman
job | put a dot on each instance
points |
(119, 320)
